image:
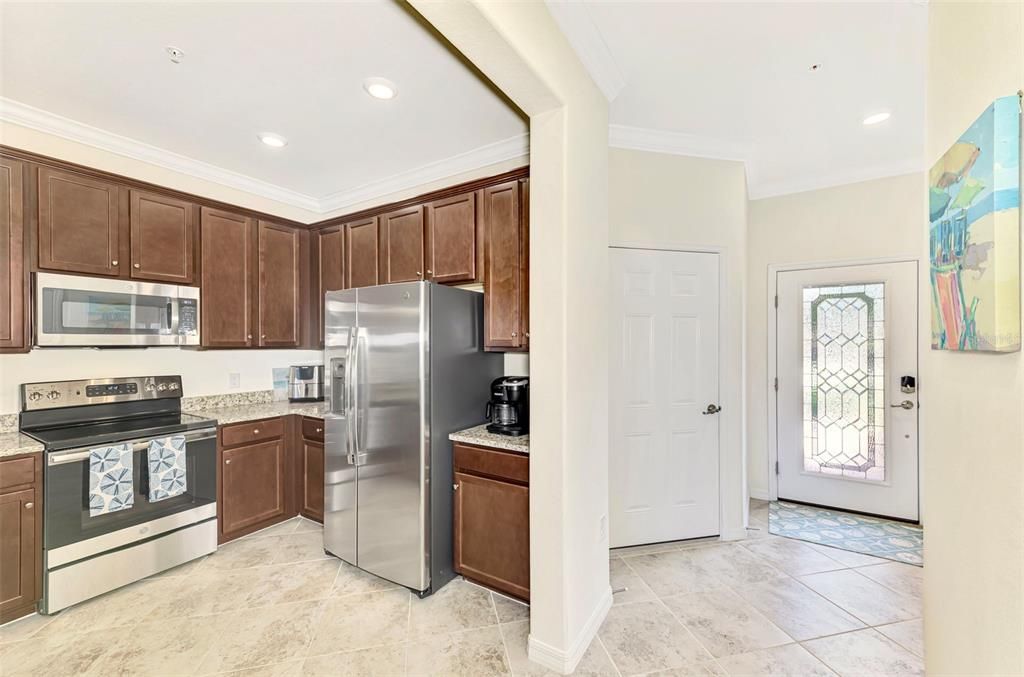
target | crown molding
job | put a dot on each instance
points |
(676, 143)
(759, 190)
(581, 31)
(493, 153)
(20, 114)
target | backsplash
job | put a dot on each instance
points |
(8, 423)
(227, 400)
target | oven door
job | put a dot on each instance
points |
(70, 533)
(84, 311)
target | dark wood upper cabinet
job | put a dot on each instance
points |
(402, 245)
(162, 238)
(330, 257)
(452, 239)
(504, 270)
(226, 279)
(14, 301)
(361, 253)
(524, 263)
(279, 288)
(79, 223)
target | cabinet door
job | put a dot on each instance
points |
(524, 263)
(226, 278)
(13, 281)
(503, 294)
(492, 533)
(330, 254)
(18, 552)
(312, 474)
(79, 223)
(279, 290)
(252, 487)
(162, 237)
(402, 245)
(451, 239)
(361, 253)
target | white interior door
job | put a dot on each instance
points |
(847, 433)
(663, 478)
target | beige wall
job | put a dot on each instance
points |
(859, 221)
(661, 201)
(972, 405)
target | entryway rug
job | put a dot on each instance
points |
(857, 533)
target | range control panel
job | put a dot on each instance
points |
(53, 394)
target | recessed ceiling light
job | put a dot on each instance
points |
(379, 88)
(273, 140)
(875, 118)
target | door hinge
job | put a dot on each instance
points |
(776, 384)
(776, 467)
(776, 300)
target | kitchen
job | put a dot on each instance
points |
(142, 312)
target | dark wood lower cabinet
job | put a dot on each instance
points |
(492, 518)
(252, 481)
(311, 469)
(21, 494)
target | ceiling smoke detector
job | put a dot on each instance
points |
(815, 67)
(175, 54)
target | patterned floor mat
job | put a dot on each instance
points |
(856, 533)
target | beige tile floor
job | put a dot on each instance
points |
(272, 604)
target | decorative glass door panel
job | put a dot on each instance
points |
(844, 380)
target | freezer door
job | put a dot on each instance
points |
(339, 468)
(390, 434)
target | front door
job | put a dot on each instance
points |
(847, 398)
(663, 396)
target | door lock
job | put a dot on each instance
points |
(905, 404)
(712, 409)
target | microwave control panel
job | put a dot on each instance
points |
(188, 317)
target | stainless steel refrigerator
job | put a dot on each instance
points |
(406, 367)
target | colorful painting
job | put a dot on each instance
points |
(974, 210)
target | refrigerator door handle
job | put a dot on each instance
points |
(350, 408)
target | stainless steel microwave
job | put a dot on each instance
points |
(89, 311)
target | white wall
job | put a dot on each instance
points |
(972, 405)
(673, 202)
(203, 372)
(858, 221)
(520, 48)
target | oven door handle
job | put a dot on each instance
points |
(82, 453)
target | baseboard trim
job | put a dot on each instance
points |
(565, 661)
(733, 534)
(760, 494)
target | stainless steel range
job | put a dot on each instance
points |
(92, 545)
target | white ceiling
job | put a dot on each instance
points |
(732, 80)
(98, 72)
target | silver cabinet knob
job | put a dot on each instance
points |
(263, 336)
(114, 262)
(137, 265)
(419, 274)
(29, 505)
(455, 487)
(319, 430)
(514, 334)
(430, 272)
(248, 336)
(255, 431)
(527, 334)
(227, 462)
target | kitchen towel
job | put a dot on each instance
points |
(167, 475)
(111, 481)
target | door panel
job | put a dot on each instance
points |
(79, 223)
(162, 238)
(664, 373)
(279, 286)
(226, 279)
(361, 253)
(339, 472)
(313, 480)
(389, 433)
(252, 485)
(330, 254)
(502, 259)
(451, 239)
(18, 548)
(845, 336)
(402, 250)
(13, 282)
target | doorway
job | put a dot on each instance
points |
(846, 392)
(663, 396)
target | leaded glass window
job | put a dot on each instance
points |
(844, 380)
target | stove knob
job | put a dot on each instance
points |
(172, 386)
(53, 395)
(150, 387)
(35, 397)
(162, 387)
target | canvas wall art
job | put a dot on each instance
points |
(974, 213)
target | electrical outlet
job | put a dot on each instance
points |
(234, 380)
(602, 529)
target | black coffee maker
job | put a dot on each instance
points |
(508, 412)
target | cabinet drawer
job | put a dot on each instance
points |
(313, 429)
(17, 472)
(251, 431)
(506, 465)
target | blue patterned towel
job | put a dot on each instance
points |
(167, 476)
(111, 482)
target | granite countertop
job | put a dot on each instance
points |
(478, 435)
(238, 413)
(14, 443)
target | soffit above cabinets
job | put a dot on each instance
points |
(734, 81)
(99, 73)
